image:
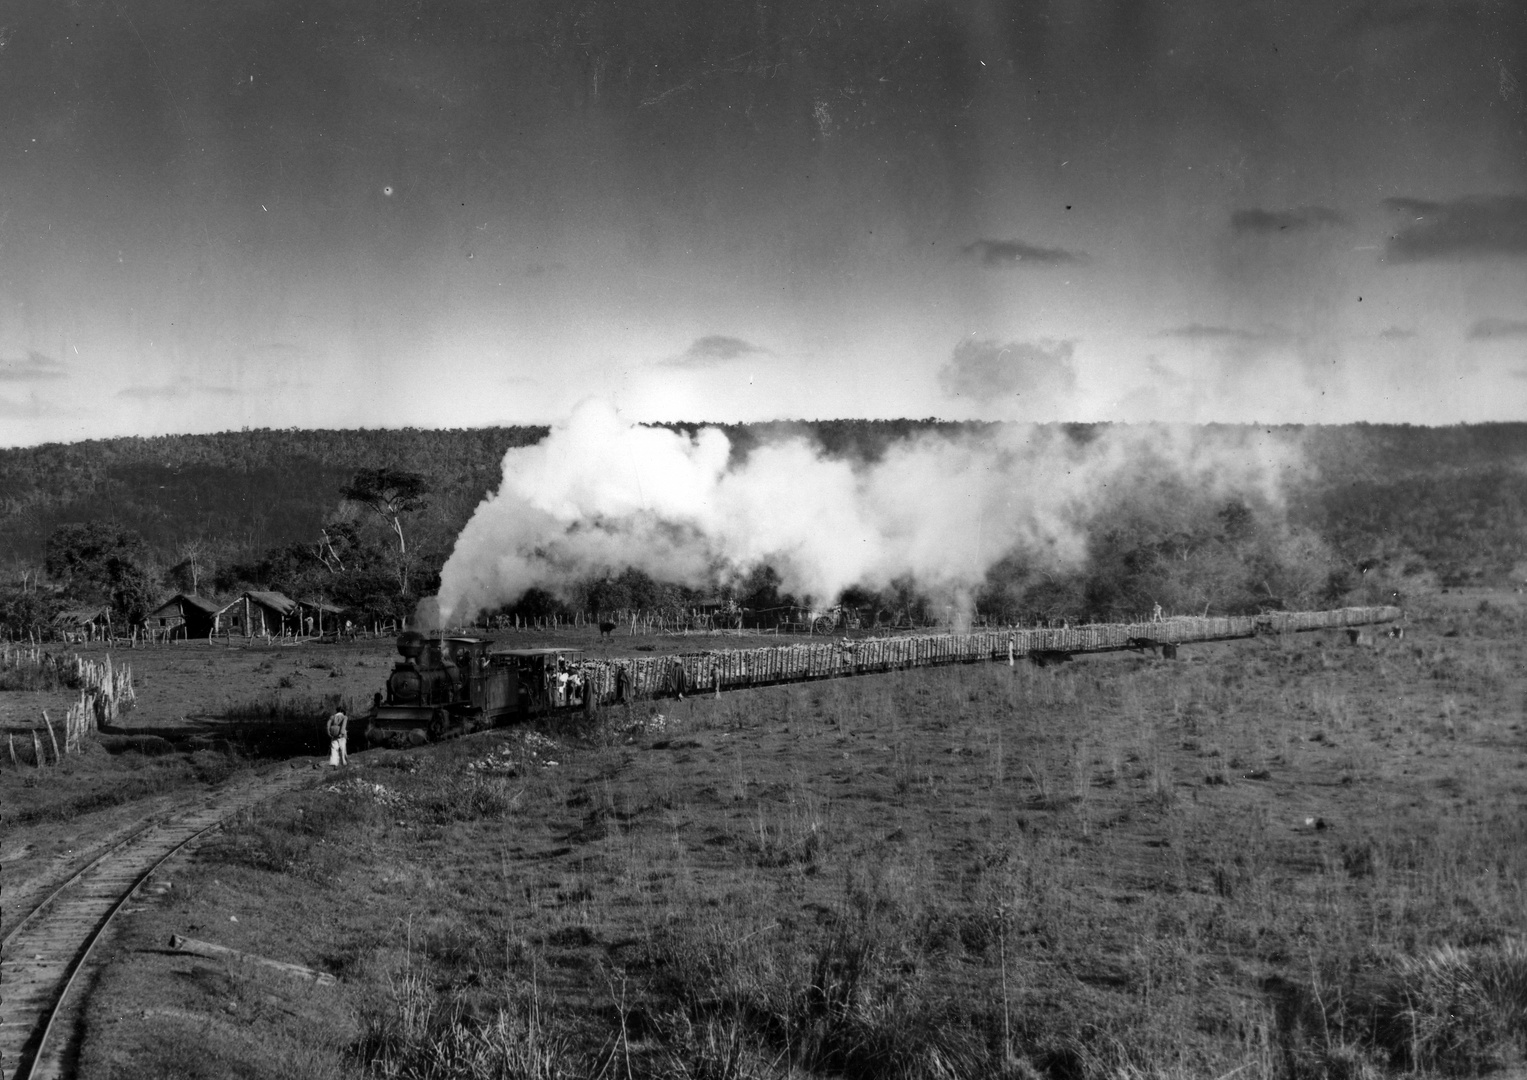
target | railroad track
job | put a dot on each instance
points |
(46, 952)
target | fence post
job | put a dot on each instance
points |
(109, 692)
(36, 750)
(11, 741)
(52, 738)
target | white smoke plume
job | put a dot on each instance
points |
(600, 494)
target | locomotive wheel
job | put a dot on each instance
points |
(437, 724)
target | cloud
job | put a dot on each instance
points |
(284, 348)
(35, 368)
(1490, 329)
(1016, 252)
(1160, 393)
(1200, 332)
(176, 392)
(1396, 333)
(26, 410)
(1240, 352)
(982, 369)
(716, 349)
(1298, 219)
(1474, 227)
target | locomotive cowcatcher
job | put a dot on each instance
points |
(452, 685)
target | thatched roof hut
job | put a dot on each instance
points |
(183, 615)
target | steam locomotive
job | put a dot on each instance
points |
(445, 686)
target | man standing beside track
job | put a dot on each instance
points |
(339, 736)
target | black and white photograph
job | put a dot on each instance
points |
(763, 539)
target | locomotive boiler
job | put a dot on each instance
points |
(444, 686)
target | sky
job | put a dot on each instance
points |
(457, 213)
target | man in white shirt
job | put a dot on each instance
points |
(339, 735)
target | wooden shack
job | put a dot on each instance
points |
(182, 616)
(319, 617)
(86, 624)
(259, 612)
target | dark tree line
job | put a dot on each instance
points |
(242, 492)
(124, 522)
(361, 564)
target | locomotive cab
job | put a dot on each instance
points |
(544, 680)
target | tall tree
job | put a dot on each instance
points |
(391, 493)
(101, 561)
(193, 555)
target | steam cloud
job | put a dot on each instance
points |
(599, 494)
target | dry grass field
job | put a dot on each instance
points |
(205, 713)
(1272, 858)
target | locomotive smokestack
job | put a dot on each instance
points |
(410, 644)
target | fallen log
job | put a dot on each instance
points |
(222, 952)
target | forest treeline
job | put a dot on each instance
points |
(1380, 507)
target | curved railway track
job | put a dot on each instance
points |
(46, 952)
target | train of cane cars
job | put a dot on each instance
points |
(446, 685)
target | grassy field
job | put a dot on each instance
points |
(1291, 858)
(205, 709)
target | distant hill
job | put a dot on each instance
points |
(246, 491)
(1447, 501)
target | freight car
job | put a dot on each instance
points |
(452, 685)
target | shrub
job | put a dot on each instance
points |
(722, 1048)
(1457, 1010)
(279, 839)
(416, 1037)
(466, 798)
(852, 1002)
(49, 671)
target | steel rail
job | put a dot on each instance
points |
(28, 1067)
(37, 908)
(65, 950)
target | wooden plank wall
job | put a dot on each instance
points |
(666, 676)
